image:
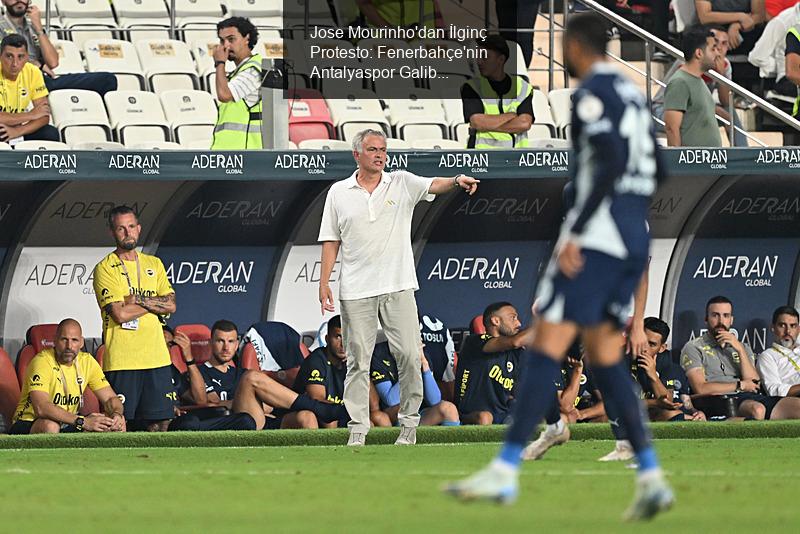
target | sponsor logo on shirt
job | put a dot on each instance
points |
(755, 271)
(65, 163)
(232, 163)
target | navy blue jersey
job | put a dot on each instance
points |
(223, 384)
(486, 380)
(316, 369)
(669, 373)
(586, 395)
(439, 347)
(180, 383)
(617, 166)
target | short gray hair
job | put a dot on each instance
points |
(358, 140)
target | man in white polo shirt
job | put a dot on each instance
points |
(779, 365)
(368, 216)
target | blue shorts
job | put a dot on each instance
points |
(602, 291)
(146, 394)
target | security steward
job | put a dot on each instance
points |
(239, 93)
(497, 106)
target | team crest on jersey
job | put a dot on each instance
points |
(150, 272)
(315, 376)
(510, 366)
(589, 108)
(121, 397)
(584, 379)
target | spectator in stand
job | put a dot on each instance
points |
(779, 365)
(769, 52)
(664, 385)
(497, 106)
(25, 19)
(743, 20)
(52, 391)
(579, 398)
(517, 18)
(793, 63)
(689, 118)
(488, 367)
(254, 392)
(717, 363)
(24, 111)
(440, 351)
(434, 410)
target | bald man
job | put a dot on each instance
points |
(52, 392)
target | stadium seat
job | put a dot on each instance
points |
(462, 133)
(309, 117)
(87, 19)
(191, 115)
(99, 354)
(396, 144)
(542, 115)
(157, 145)
(203, 52)
(454, 114)
(69, 58)
(168, 64)
(145, 19)
(476, 326)
(188, 12)
(191, 32)
(136, 117)
(41, 145)
(200, 336)
(98, 145)
(80, 33)
(119, 57)
(248, 359)
(5, 146)
(437, 144)
(361, 109)
(420, 116)
(292, 146)
(38, 338)
(517, 67)
(9, 389)
(392, 86)
(561, 108)
(323, 144)
(260, 13)
(550, 142)
(79, 115)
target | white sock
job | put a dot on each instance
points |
(650, 475)
(623, 444)
(555, 428)
(504, 467)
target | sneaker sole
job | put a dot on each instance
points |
(653, 509)
(505, 498)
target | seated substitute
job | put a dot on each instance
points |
(254, 392)
(779, 365)
(665, 388)
(24, 110)
(717, 363)
(488, 367)
(52, 392)
(440, 351)
(578, 397)
(434, 410)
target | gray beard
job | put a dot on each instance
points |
(787, 344)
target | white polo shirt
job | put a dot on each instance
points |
(375, 233)
(779, 368)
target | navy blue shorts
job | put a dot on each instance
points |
(24, 427)
(146, 394)
(768, 402)
(602, 291)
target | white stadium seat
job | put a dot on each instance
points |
(551, 142)
(167, 64)
(191, 115)
(397, 144)
(97, 145)
(260, 12)
(87, 14)
(541, 111)
(540, 131)
(462, 133)
(140, 14)
(156, 145)
(40, 145)
(324, 144)
(136, 117)
(517, 67)
(359, 111)
(197, 11)
(118, 57)
(437, 144)
(203, 52)
(79, 115)
(5, 146)
(69, 58)
(81, 32)
(292, 146)
(561, 107)
(419, 117)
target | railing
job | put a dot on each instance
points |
(651, 40)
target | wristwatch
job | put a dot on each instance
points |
(79, 423)
(218, 63)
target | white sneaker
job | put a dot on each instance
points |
(621, 453)
(536, 449)
(356, 439)
(408, 436)
(490, 483)
(653, 495)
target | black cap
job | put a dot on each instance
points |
(495, 42)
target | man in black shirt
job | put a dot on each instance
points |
(498, 107)
(488, 367)
(579, 398)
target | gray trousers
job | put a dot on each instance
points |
(397, 314)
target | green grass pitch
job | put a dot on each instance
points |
(722, 485)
